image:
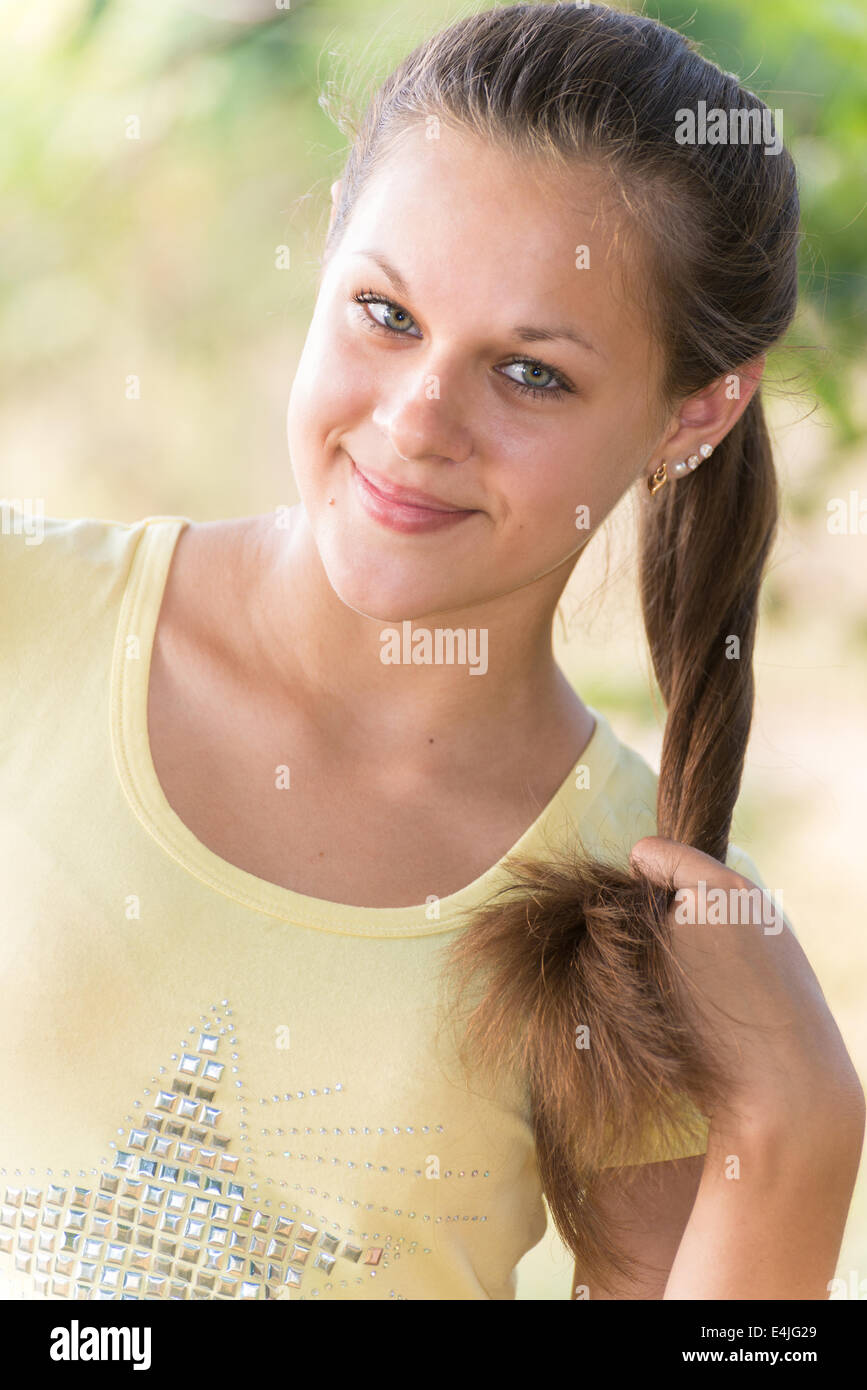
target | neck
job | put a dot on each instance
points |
(478, 682)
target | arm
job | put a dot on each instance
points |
(651, 1212)
(774, 1230)
(785, 1142)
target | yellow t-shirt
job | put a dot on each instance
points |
(213, 1086)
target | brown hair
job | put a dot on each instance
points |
(572, 940)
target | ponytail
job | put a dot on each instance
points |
(702, 556)
(572, 941)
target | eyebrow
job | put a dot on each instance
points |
(527, 332)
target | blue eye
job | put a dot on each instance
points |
(399, 318)
(536, 370)
(553, 385)
(396, 321)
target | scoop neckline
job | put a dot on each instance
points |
(130, 680)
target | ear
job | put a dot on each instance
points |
(335, 199)
(707, 416)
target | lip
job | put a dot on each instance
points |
(404, 509)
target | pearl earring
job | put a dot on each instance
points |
(678, 469)
(704, 452)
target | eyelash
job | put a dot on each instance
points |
(374, 297)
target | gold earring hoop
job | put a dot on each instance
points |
(678, 469)
(657, 479)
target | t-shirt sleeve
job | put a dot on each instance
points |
(742, 863)
(689, 1139)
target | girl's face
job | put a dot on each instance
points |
(471, 378)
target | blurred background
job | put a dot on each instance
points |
(165, 169)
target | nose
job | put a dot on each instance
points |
(422, 418)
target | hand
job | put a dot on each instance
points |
(759, 1000)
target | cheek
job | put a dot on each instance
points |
(329, 395)
(558, 494)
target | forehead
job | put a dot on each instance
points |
(456, 213)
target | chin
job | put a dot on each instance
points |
(389, 591)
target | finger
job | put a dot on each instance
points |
(669, 861)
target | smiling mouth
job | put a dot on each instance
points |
(393, 492)
(402, 509)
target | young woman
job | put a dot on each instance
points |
(282, 795)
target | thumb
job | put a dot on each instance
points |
(669, 861)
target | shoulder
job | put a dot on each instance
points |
(213, 570)
(62, 583)
(744, 864)
(53, 571)
(36, 550)
(614, 803)
(623, 808)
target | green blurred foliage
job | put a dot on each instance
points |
(228, 93)
(809, 61)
